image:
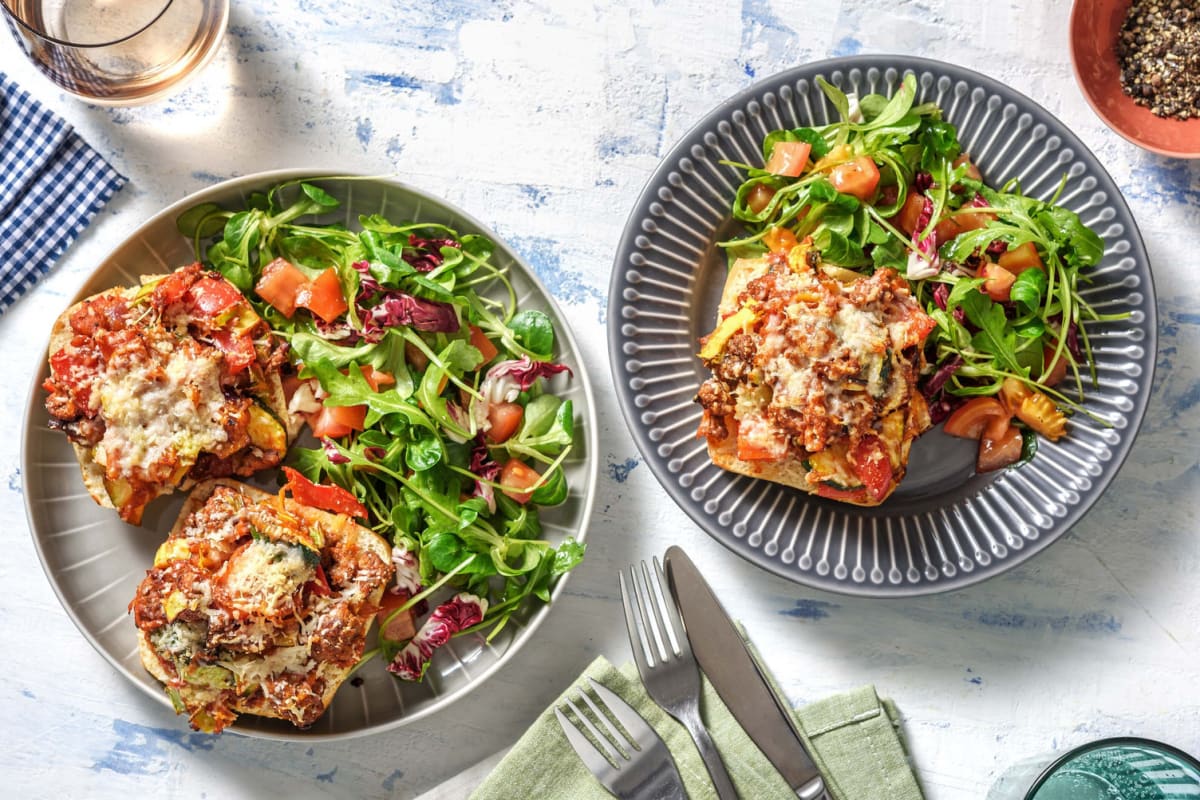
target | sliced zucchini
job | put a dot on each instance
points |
(267, 433)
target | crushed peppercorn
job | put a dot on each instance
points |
(1158, 51)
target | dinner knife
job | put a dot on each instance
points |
(732, 670)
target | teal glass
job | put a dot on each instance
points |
(1120, 769)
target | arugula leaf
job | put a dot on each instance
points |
(994, 336)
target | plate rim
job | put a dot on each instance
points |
(587, 491)
(902, 64)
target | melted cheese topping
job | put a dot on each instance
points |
(167, 406)
(262, 577)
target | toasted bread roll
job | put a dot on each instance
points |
(160, 385)
(257, 604)
(814, 377)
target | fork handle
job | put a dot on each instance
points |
(712, 759)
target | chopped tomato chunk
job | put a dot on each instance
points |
(319, 585)
(323, 296)
(327, 498)
(838, 493)
(909, 215)
(969, 419)
(336, 421)
(972, 171)
(758, 197)
(1053, 371)
(504, 419)
(211, 296)
(1019, 259)
(999, 446)
(376, 378)
(961, 222)
(396, 627)
(859, 177)
(279, 284)
(997, 282)
(238, 349)
(780, 240)
(516, 477)
(788, 158)
(872, 466)
(483, 344)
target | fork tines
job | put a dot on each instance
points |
(612, 744)
(660, 630)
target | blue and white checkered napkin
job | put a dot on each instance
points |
(51, 185)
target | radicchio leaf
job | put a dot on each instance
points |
(924, 262)
(508, 379)
(460, 612)
(486, 469)
(399, 308)
(408, 572)
(428, 255)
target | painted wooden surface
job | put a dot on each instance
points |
(543, 120)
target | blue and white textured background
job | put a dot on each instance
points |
(543, 120)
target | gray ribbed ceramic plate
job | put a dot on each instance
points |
(95, 561)
(945, 527)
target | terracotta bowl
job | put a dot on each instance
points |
(1095, 25)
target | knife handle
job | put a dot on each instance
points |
(712, 759)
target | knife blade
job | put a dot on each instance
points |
(738, 679)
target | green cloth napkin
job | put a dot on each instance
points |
(854, 738)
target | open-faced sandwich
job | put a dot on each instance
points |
(164, 384)
(814, 376)
(260, 603)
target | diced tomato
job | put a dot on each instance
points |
(237, 349)
(872, 466)
(319, 585)
(400, 627)
(780, 240)
(211, 296)
(909, 215)
(323, 296)
(337, 421)
(483, 344)
(999, 446)
(504, 419)
(758, 197)
(837, 493)
(327, 498)
(961, 222)
(1019, 259)
(1057, 371)
(997, 281)
(76, 369)
(415, 357)
(859, 177)
(517, 476)
(280, 282)
(174, 287)
(788, 158)
(376, 378)
(972, 171)
(969, 419)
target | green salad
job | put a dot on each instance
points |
(426, 396)
(888, 186)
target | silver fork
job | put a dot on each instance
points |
(665, 662)
(637, 768)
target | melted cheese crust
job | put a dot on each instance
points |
(825, 365)
(243, 615)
